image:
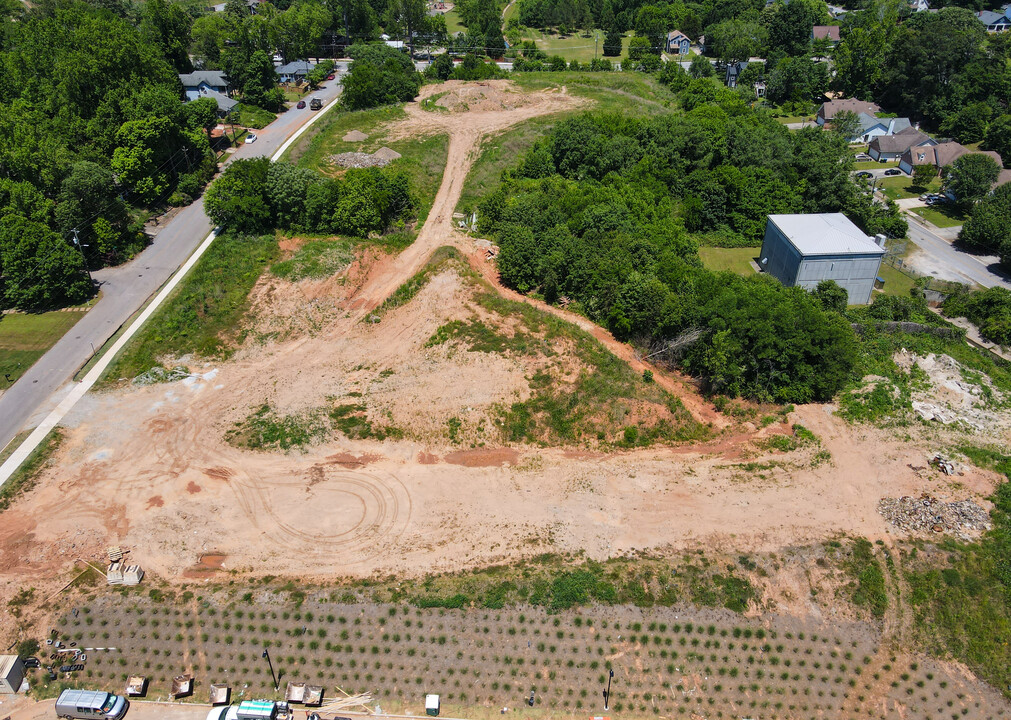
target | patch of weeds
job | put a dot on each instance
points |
(802, 437)
(25, 477)
(352, 421)
(453, 426)
(479, 337)
(429, 104)
(316, 259)
(266, 430)
(868, 587)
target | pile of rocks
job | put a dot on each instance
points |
(963, 518)
(158, 374)
(357, 160)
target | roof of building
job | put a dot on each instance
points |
(1003, 179)
(944, 154)
(833, 107)
(825, 234)
(825, 31)
(214, 78)
(225, 103)
(900, 141)
(677, 35)
(296, 67)
(989, 17)
(7, 663)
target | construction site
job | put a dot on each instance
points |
(172, 525)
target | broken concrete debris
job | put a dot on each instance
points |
(962, 518)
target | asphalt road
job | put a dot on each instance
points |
(972, 268)
(126, 288)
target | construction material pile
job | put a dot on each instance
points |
(158, 374)
(349, 703)
(358, 160)
(962, 518)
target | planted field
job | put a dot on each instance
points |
(667, 662)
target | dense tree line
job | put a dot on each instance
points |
(257, 196)
(91, 123)
(988, 228)
(601, 213)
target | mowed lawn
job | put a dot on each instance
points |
(736, 260)
(573, 46)
(26, 338)
(901, 186)
(942, 216)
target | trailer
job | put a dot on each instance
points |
(257, 710)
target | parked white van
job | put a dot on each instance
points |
(90, 704)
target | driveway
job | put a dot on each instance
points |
(126, 288)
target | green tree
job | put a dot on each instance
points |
(38, 270)
(441, 68)
(736, 40)
(238, 199)
(87, 193)
(846, 124)
(612, 43)
(168, 26)
(298, 30)
(701, 68)
(638, 48)
(859, 60)
(969, 124)
(998, 138)
(287, 188)
(410, 16)
(260, 82)
(831, 296)
(202, 114)
(987, 228)
(970, 177)
(923, 175)
(144, 155)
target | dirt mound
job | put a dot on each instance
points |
(355, 136)
(493, 95)
(385, 153)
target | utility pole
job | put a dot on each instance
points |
(80, 249)
(596, 37)
(607, 693)
(273, 677)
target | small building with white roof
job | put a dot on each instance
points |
(803, 250)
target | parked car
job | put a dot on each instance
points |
(331, 76)
(865, 174)
(223, 713)
(863, 157)
(300, 104)
(250, 138)
(90, 704)
(892, 172)
(315, 104)
(32, 663)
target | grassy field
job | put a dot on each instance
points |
(874, 165)
(24, 477)
(422, 159)
(24, 338)
(943, 216)
(202, 315)
(896, 188)
(573, 46)
(896, 281)
(736, 260)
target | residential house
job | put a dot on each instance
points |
(919, 5)
(872, 127)
(677, 43)
(225, 103)
(890, 147)
(295, 71)
(734, 70)
(939, 155)
(996, 20)
(822, 32)
(199, 82)
(832, 108)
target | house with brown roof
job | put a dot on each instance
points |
(940, 155)
(833, 107)
(829, 32)
(677, 43)
(890, 147)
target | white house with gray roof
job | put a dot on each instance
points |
(197, 83)
(803, 250)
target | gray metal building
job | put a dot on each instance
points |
(803, 250)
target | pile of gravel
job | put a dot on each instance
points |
(358, 160)
(963, 518)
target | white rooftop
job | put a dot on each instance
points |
(825, 234)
